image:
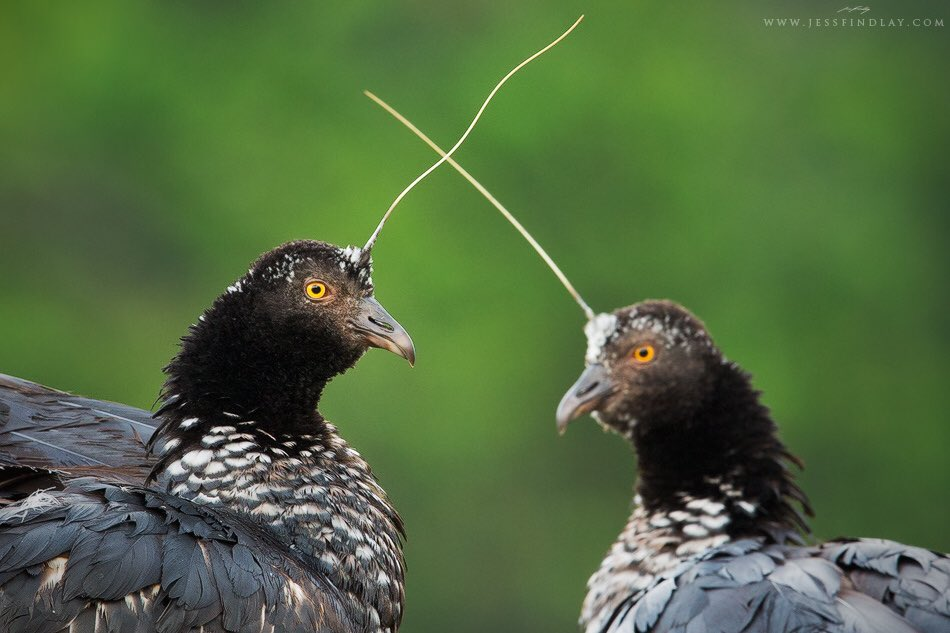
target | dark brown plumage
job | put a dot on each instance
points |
(715, 541)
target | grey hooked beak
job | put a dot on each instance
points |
(586, 395)
(379, 329)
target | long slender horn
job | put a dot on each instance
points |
(372, 238)
(492, 199)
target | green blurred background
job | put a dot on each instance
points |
(788, 185)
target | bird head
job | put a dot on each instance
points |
(303, 313)
(646, 364)
(320, 297)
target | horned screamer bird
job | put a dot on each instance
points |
(258, 516)
(715, 541)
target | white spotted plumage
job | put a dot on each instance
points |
(317, 484)
(653, 543)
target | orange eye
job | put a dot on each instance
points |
(316, 290)
(644, 353)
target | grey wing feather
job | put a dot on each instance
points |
(103, 557)
(43, 430)
(749, 587)
(912, 581)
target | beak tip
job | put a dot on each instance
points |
(378, 328)
(566, 412)
(407, 349)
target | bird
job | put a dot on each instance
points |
(239, 507)
(718, 537)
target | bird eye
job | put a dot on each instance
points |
(644, 353)
(316, 290)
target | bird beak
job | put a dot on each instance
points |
(379, 329)
(586, 395)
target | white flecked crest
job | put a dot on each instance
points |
(350, 261)
(283, 268)
(674, 335)
(599, 330)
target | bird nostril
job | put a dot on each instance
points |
(586, 389)
(386, 326)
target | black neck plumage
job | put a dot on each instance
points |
(727, 452)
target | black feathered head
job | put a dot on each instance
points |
(302, 314)
(646, 364)
(319, 293)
